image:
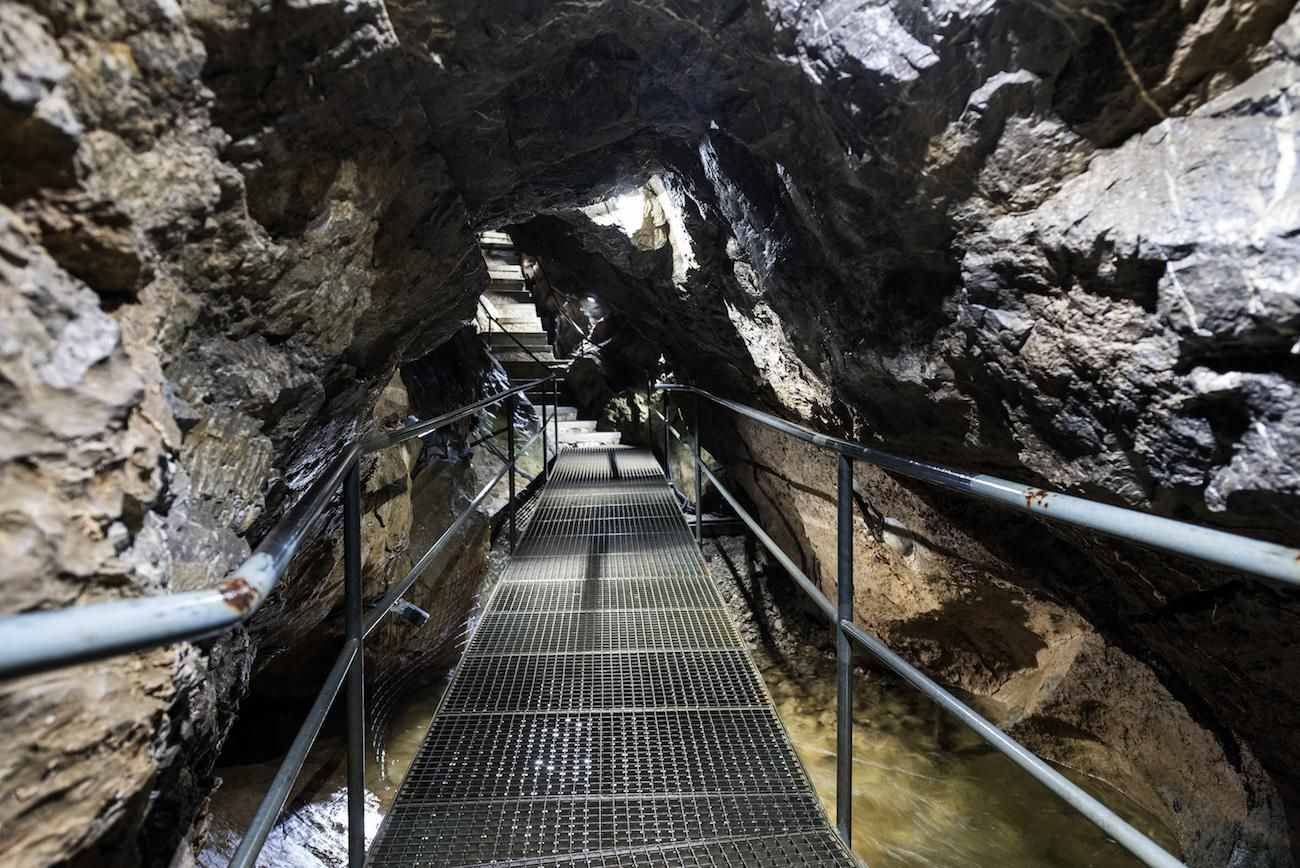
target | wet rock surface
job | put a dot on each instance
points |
(1052, 241)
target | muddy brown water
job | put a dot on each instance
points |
(929, 793)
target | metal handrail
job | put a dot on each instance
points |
(1259, 558)
(1269, 560)
(1105, 819)
(273, 802)
(42, 641)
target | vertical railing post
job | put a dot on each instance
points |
(546, 449)
(510, 457)
(668, 437)
(649, 418)
(555, 412)
(699, 487)
(844, 653)
(356, 711)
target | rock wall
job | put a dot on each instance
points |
(222, 228)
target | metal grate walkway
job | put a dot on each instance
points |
(606, 711)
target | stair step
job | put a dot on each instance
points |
(509, 321)
(509, 295)
(503, 272)
(576, 426)
(542, 397)
(493, 238)
(515, 354)
(521, 325)
(508, 309)
(512, 340)
(506, 350)
(498, 302)
(525, 336)
(515, 310)
(513, 289)
(591, 438)
(501, 256)
(564, 414)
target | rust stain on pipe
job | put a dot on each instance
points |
(1037, 497)
(239, 595)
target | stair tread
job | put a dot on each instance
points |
(496, 239)
(503, 341)
(517, 355)
(591, 436)
(529, 327)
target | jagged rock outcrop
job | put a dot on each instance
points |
(1051, 240)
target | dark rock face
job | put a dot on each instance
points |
(223, 229)
(1054, 241)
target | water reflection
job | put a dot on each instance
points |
(928, 792)
(312, 832)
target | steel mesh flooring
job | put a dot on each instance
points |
(579, 595)
(585, 682)
(603, 631)
(460, 831)
(605, 712)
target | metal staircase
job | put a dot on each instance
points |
(513, 332)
